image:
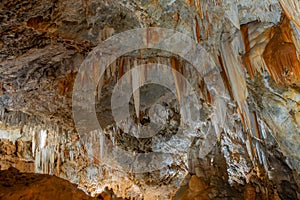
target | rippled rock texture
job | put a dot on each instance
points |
(239, 139)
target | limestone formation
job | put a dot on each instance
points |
(228, 131)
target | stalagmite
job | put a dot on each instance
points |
(249, 193)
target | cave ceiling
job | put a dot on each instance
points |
(243, 131)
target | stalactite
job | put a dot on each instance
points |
(143, 74)
(121, 71)
(199, 8)
(230, 48)
(136, 84)
(197, 30)
(106, 32)
(175, 66)
(256, 37)
(281, 60)
(128, 64)
(292, 10)
(176, 20)
(254, 125)
(233, 15)
(189, 2)
(271, 49)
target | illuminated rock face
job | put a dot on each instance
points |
(241, 139)
(16, 185)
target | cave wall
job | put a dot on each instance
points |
(248, 148)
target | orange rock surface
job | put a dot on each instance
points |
(27, 186)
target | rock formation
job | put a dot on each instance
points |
(212, 90)
(16, 185)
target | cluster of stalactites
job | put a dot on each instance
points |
(274, 49)
(266, 48)
(259, 48)
(51, 144)
(125, 64)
